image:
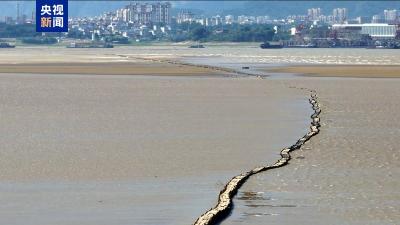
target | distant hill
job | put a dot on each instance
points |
(271, 8)
(284, 8)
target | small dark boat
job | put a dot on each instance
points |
(6, 45)
(197, 46)
(271, 45)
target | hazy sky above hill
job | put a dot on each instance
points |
(272, 8)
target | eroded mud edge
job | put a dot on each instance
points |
(224, 205)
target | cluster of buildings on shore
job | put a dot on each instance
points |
(186, 16)
(361, 30)
(382, 26)
(340, 16)
(138, 21)
(142, 21)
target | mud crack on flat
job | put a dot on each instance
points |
(224, 205)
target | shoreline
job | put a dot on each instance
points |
(340, 71)
(177, 68)
(112, 68)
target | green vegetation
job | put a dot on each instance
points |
(117, 39)
(26, 34)
(76, 34)
(17, 31)
(39, 40)
(230, 33)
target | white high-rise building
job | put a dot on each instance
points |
(262, 19)
(377, 19)
(122, 14)
(391, 15)
(242, 19)
(185, 16)
(216, 20)
(229, 19)
(339, 15)
(146, 13)
(314, 13)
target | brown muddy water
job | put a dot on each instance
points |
(84, 149)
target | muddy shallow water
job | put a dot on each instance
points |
(84, 149)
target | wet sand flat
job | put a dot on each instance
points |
(348, 174)
(111, 149)
(107, 68)
(361, 71)
(157, 150)
(118, 61)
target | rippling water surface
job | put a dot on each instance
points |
(254, 54)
